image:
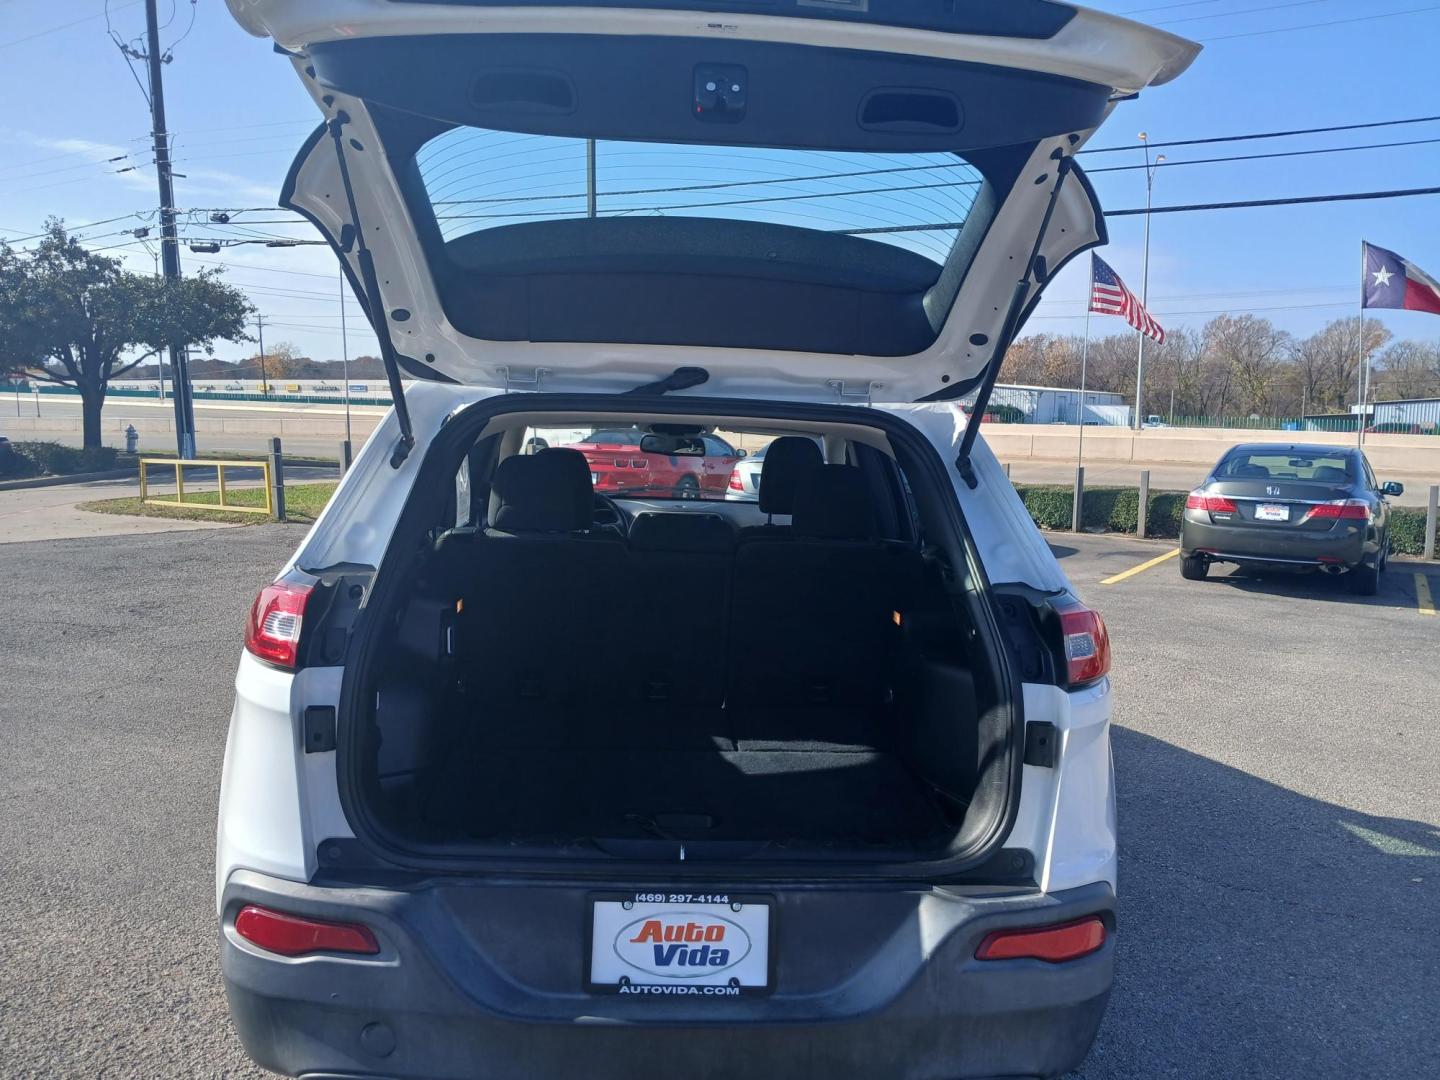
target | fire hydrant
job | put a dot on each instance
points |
(132, 439)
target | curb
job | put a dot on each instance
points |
(72, 478)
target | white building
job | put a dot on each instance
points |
(1059, 404)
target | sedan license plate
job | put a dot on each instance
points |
(1272, 512)
(594, 477)
(673, 944)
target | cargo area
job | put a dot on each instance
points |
(793, 677)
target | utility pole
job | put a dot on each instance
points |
(264, 379)
(169, 238)
(1145, 281)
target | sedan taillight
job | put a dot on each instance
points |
(1339, 510)
(273, 632)
(737, 483)
(1216, 504)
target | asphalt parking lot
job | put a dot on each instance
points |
(1279, 801)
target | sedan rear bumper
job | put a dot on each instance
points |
(1343, 546)
(486, 980)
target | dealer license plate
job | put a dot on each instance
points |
(1272, 512)
(675, 944)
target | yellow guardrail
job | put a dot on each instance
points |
(181, 464)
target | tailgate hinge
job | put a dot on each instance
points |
(516, 381)
(1042, 744)
(844, 395)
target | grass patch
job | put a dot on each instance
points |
(303, 503)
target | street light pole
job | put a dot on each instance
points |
(1145, 281)
(264, 379)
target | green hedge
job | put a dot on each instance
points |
(1106, 508)
(27, 459)
(1407, 531)
(1109, 509)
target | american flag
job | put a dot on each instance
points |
(1109, 296)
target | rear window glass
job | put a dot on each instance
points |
(1268, 465)
(478, 179)
(619, 469)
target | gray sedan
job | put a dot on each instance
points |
(1290, 507)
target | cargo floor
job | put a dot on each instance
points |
(830, 796)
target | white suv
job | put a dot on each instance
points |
(528, 781)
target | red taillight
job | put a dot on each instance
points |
(1339, 510)
(1216, 504)
(273, 632)
(1087, 643)
(292, 935)
(736, 483)
(1053, 944)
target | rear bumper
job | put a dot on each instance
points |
(486, 980)
(1345, 546)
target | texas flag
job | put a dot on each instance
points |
(1391, 282)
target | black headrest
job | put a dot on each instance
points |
(683, 531)
(833, 504)
(787, 460)
(545, 492)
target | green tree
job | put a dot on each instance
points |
(72, 317)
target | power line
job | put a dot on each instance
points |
(1300, 200)
(1167, 7)
(1246, 11)
(1261, 135)
(1264, 157)
(1333, 22)
(948, 226)
(62, 26)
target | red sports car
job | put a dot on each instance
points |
(619, 467)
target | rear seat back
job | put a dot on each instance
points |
(788, 461)
(536, 627)
(813, 619)
(679, 611)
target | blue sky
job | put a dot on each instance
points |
(239, 114)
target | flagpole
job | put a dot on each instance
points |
(1360, 365)
(1084, 361)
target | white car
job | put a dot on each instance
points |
(526, 782)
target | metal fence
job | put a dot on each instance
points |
(181, 464)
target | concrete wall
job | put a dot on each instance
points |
(1409, 454)
(19, 428)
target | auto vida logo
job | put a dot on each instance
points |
(682, 944)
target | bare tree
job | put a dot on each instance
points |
(1409, 369)
(1253, 349)
(1328, 362)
